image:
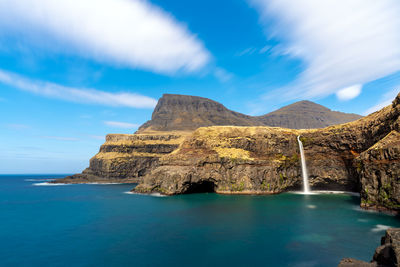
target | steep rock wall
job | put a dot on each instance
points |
(127, 157)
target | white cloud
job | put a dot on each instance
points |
(118, 124)
(341, 42)
(349, 92)
(131, 33)
(265, 49)
(247, 51)
(223, 75)
(386, 100)
(80, 95)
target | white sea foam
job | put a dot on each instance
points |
(358, 208)
(38, 180)
(303, 193)
(152, 194)
(311, 206)
(322, 192)
(48, 184)
(380, 227)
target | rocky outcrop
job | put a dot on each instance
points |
(379, 171)
(386, 255)
(228, 160)
(125, 158)
(183, 112)
(254, 160)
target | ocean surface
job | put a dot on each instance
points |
(102, 225)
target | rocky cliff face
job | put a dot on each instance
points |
(125, 158)
(182, 112)
(254, 160)
(379, 171)
(386, 255)
(235, 160)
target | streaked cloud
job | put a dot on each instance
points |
(131, 33)
(118, 124)
(342, 43)
(349, 92)
(79, 95)
(385, 100)
(223, 75)
(254, 50)
(247, 51)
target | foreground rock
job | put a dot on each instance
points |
(388, 254)
(125, 158)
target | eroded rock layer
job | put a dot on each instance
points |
(125, 158)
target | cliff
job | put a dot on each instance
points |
(182, 112)
(386, 255)
(360, 155)
(125, 158)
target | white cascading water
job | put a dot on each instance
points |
(306, 186)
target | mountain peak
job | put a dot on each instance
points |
(186, 113)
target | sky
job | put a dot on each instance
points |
(73, 71)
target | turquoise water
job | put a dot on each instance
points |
(100, 225)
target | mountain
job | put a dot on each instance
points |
(183, 112)
(306, 115)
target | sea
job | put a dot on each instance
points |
(105, 225)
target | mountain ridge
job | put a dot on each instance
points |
(185, 112)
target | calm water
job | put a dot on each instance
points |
(100, 225)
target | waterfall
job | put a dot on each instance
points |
(306, 186)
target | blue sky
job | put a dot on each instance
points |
(71, 72)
